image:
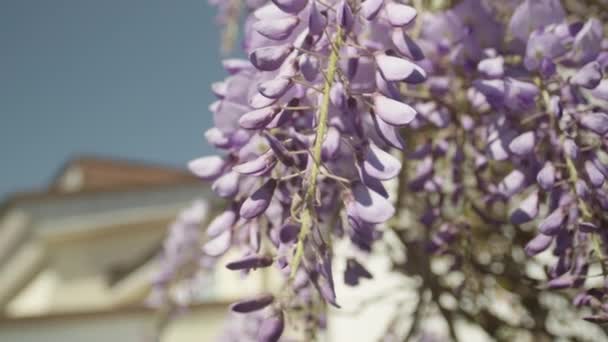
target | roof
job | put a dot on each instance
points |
(93, 174)
(105, 173)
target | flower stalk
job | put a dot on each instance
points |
(309, 198)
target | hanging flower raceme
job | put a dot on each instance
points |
(490, 117)
(312, 112)
(555, 141)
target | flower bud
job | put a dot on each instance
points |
(278, 28)
(252, 304)
(249, 262)
(259, 201)
(393, 112)
(270, 58)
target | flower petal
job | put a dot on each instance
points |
(523, 144)
(589, 76)
(587, 227)
(259, 118)
(331, 144)
(259, 201)
(275, 88)
(390, 134)
(218, 245)
(270, 58)
(546, 176)
(344, 15)
(289, 232)
(570, 148)
(221, 223)
(512, 183)
(596, 177)
(399, 69)
(601, 91)
(552, 224)
(217, 138)
(257, 166)
(236, 65)
(279, 150)
(406, 45)
(400, 14)
(276, 29)
(254, 235)
(272, 328)
(595, 122)
(291, 6)
(337, 94)
(370, 8)
(370, 206)
(587, 43)
(309, 66)
(533, 14)
(538, 244)
(252, 304)
(227, 185)
(380, 164)
(387, 88)
(207, 167)
(259, 101)
(249, 262)
(393, 112)
(317, 21)
(355, 271)
(492, 67)
(527, 209)
(563, 282)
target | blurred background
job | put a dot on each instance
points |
(102, 104)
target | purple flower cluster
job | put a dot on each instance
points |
(490, 117)
(307, 125)
(548, 124)
(182, 259)
(524, 103)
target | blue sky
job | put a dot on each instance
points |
(124, 78)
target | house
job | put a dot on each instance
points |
(76, 259)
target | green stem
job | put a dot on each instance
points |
(309, 199)
(574, 179)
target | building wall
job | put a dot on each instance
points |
(200, 325)
(116, 328)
